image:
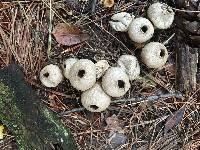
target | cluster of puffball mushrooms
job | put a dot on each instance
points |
(84, 75)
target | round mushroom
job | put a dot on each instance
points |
(154, 55)
(95, 99)
(130, 64)
(51, 75)
(101, 67)
(115, 82)
(121, 21)
(161, 15)
(82, 74)
(67, 64)
(140, 30)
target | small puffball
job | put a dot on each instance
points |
(101, 67)
(161, 15)
(154, 55)
(130, 64)
(67, 64)
(82, 74)
(140, 30)
(115, 82)
(121, 21)
(95, 99)
(51, 75)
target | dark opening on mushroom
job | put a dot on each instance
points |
(95, 107)
(81, 73)
(162, 53)
(121, 84)
(46, 75)
(64, 65)
(144, 29)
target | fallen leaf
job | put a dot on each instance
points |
(1, 132)
(67, 34)
(174, 119)
(116, 139)
(113, 123)
(107, 3)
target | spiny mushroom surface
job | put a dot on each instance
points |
(101, 67)
(121, 21)
(51, 75)
(82, 74)
(115, 82)
(130, 64)
(154, 55)
(95, 99)
(161, 15)
(67, 64)
(140, 30)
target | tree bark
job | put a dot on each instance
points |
(33, 125)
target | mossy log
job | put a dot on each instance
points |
(34, 126)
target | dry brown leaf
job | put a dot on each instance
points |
(107, 3)
(68, 34)
(113, 123)
(174, 119)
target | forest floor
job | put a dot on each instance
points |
(157, 113)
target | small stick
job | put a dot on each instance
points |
(137, 100)
(71, 111)
(167, 41)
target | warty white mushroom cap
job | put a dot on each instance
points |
(115, 82)
(140, 30)
(67, 64)
(82, 74)
(154, 55)
(101, 67)
(161, 15)
(130, 64)
(121, 21)
(95, 99)
(51, 75)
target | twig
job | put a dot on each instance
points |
(71, 111)
(189, 11)
(167, 41)
(137, 100)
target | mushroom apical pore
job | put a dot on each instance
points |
(121, 21)
(67, 64)
(140, 30)
(51, 75)
(115, 82)
(154, 55)
(95, 99)
(161, 15)
(130, 64)
(82, 74)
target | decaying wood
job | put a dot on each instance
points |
(186, 64)
(33, 125)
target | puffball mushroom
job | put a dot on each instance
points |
(101, 67)
(121, 21)
(161, 15)
(82, 74)
(51, 75)
(154, 55)
(115, 82)
(67, 64)
(140, 30)
(95, 99)
(130, 64)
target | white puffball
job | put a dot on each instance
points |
(51, 75)
(140, 30)
(161, 15)
(101, 67)
(130, 64)
(95, 99)
(154, 55)
(67, 64)
(82, 74)
(115, 82)
(121, 21)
